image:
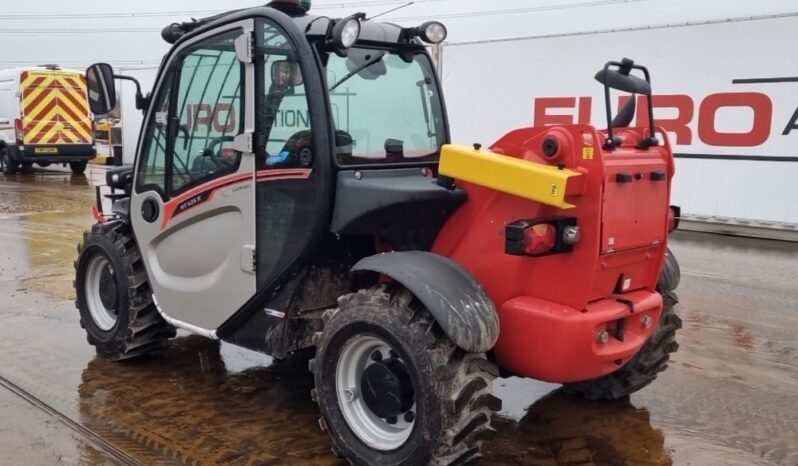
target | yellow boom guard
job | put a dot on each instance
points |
(535, 181)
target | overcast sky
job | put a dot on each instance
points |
(75, 33)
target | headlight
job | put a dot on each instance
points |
(433, 32)
(346, 33)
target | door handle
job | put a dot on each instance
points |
(150, 210)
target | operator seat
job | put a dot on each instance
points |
(298, 150)
(296, 153)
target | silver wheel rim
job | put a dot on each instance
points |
(103, 317)
(376, 432)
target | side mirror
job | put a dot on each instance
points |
(623, 82)
(286, 74)
(102, 90)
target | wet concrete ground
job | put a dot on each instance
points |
(730, 396)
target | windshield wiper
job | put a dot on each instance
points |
(421, 84)
(374, 60)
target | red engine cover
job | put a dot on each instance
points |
(552, 307)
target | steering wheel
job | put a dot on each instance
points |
(212, 147)
(211, 160)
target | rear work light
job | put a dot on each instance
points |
(18, 134)
(541, 237)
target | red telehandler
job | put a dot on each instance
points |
(295, 187)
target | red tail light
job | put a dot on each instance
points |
(541, 237)
(18, 130)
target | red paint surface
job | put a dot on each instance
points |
(552, 307)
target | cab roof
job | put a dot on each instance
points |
(314, 26)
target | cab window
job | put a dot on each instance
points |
(283, 106)
(386, 107)
(152, 165)
(208, 113)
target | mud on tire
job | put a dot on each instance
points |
(137, 329)
(452, 388)
(652, 358)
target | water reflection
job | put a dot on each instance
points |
(192, 403)
(78, 179)
(560, 429)
(188, 404)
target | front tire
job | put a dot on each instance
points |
(78, 168)
(113, 295)
(652, 359)
(8, 165)
(392, 387)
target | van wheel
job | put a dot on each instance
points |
(392, 387)
(114, 297)
(78, 167)
(8, 165)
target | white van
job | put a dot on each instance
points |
(44, 119)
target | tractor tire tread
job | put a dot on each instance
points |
(467, 376)
(145, 331)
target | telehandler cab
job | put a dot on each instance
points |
(295, 187)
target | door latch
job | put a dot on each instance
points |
(249, 258)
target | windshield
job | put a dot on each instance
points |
(386, 107)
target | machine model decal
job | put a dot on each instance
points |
(206, 192)
(192, 201)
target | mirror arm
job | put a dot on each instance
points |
(625, 67)
(141, 101)
(652, 137)
(610, 143)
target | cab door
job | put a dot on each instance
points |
(193, 206)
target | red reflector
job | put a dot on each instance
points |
(540, 239)
(674, 213)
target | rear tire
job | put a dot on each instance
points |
(7, 163)
(652, 358)
(78, 168)
(450, 400)
(113, 295)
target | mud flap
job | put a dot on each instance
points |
(450, 293)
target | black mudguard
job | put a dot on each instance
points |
(455, 299)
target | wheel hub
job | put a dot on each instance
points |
(100, 292)
(375, 392)
(387, 389)
(108, 295)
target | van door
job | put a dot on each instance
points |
(54, 108)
